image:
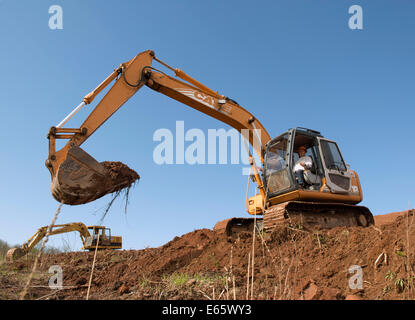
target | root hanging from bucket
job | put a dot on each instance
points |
(127, 197)
(115, 195)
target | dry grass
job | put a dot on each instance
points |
(410, 274)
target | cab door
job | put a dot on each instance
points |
(277, 170)
(337, 174)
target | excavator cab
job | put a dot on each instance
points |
(329, 193)
(101, 237)
(328, 168)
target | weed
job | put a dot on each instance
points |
(390, 275)
(400, 284)
(115, 258)
(181, 279)
(401, 254)
(213, 259)
(386, 289)
(320, 239)
(145, 282)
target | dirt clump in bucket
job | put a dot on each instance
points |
(122, 178)
(120, 174)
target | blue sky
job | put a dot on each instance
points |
(290, 63)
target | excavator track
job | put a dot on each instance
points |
(317, 215)
(233, 226)
(311, 215)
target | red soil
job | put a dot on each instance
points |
(288, 264)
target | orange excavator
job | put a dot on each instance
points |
(313, 187)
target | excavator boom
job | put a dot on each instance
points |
(77, 178)
(16, 253)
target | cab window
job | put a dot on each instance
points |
(332, 157)
(276, 174)
(275, 159)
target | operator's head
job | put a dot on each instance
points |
(302, 150)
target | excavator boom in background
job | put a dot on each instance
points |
(326, 199)
(92, 237)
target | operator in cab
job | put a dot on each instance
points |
(303, 163)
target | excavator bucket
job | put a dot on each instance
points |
(14, 253)
(81, 179)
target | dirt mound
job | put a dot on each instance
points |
(389, 218)
(340, 263)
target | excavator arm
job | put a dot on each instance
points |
(78, 178)
(16, 253)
